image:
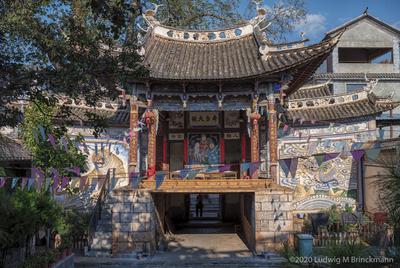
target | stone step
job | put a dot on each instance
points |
(105, 234)
(104, 228)
(99, 253)
(101, 244)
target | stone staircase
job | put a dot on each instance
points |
(101, 243)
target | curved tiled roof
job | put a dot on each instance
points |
(312, 91)
(11, 150)
(346, 76)
(337, 107)
(237, 57)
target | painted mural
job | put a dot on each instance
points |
(321, 186)
(203, 149)
(105, 155)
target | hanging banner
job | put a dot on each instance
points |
(30, 183)
(285, 164)
(192, 174)
(23, 182)
(253, 167)
(134, 179)
(2, 182)
(373, 153)
(14, 182)
(82, 183)
(52, 140)
(319, 159)
(64, 183)
(35, 136)
(42, 133)
(224, 168)
(330, 156)
(56, 178)
(183, 173)
(75, 170)
(47, 183)
(357, 154)
(160, 175)
(293, 167)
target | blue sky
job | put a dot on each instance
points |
(324, 15)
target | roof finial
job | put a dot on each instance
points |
(365, 11)
(302, 34)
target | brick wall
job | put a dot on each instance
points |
(133, 222)
(273, 218)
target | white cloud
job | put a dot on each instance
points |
(313, 25)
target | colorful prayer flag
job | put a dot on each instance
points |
(319, 159)
(52, 140)
(160, 175)
(293, 166)
(357, 154)
(30, 183)
(2, 181)
(285, 165)
(23, 182)
(14, 182)
(82, 183)
(330, 156)
(42, 132)
(373, 153)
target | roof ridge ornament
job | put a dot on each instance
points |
(149, 17)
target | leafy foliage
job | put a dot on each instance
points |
(44, 154)
(23, 213)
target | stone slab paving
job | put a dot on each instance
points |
(193, 250)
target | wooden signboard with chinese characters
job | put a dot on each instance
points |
(204, 119)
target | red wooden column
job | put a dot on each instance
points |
(254, 139)
(151, 143)
(273, 138)
(133, 143)
(185, 151)
(222, 150)
(243, 139)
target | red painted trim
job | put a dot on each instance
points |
(243, 138)
(185, 151)
(165, 146)
(222, 150)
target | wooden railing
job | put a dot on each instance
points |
(96, 215)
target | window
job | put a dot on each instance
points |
(354, 87)
(366, 55)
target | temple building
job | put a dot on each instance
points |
(231, 117)
(246, 127)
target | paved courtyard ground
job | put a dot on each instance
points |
(191, 249)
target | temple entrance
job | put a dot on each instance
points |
(212, 217)
(204, 207)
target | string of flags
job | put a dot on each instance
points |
(41, 182)
(369, 149)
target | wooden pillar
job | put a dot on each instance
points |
(243, 139)
(151, 143)
(254, 140)
(185, 151)
(273, 137)
(222, 150)
(133, 143)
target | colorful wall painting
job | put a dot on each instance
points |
(332, 182)
(109, 155)
(204, 149)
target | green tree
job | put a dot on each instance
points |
(44, 154)
(87, 49)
